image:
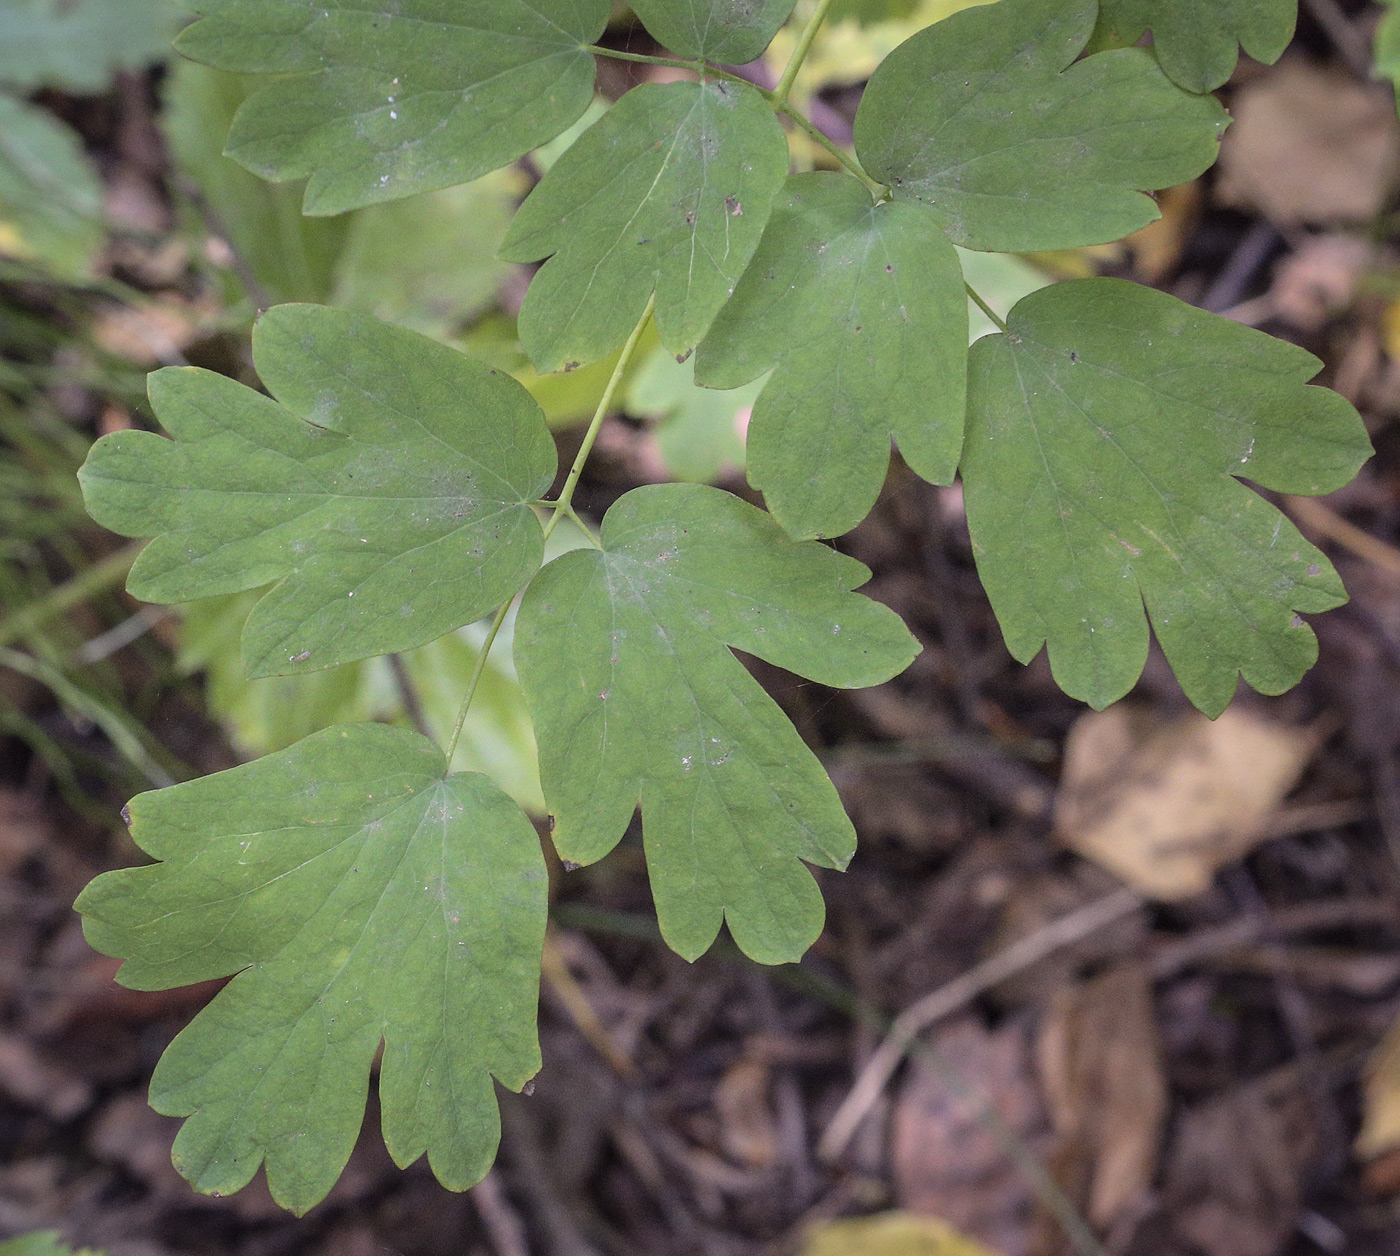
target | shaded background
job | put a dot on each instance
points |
(1151, 961)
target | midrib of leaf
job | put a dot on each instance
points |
(442, 25)
(1204, 562)
(996, 76)
(639, 598)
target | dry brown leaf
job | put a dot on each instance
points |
(890, 1234)
(946, 1162)
(1100, 1066)
(1380, 1099)
(748, 1129)
(1234, 1181)
(1319, 279)
(1157, 247)
(1310, 144)
(155, 333)
(1164, 803)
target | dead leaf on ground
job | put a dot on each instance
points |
(1310, 144)
(1157, 247)
(1380, 1099)
(890, 1234)
(748, 1128)
(947, 1163)
(1100, 1064)
(1234, 1179)
(1164, 803)
(1319, 279)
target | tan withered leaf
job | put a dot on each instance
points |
(890, 1234)
(1234, 1174)
(1380, 1099)
(1099, 1057)
(1310, 144)
(1164, 803)
(945, 1158)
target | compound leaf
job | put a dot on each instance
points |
(1196, 41)
(669, 192)
(50, 194)
(360, 894)
(80, 44)
(988, 119)
(392, 98)
(732, 31)
(1105, 432)
(862, 309)
(624, 656)
(387, 489)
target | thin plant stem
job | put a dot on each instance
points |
(702, 68)
(125, 739)
(799, 54)
(804, 124)
(984, 307)
(98, 578)
(563, 504)
(476, 679)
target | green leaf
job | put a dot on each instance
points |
(1196, 40)
(274, 711)
(726, 31)
(669, 192)
(385, 100)
(79, 45)
(624, 655)
(359, 894)
(388, 491)
(291, 257)
(1387, 43)
(861, 308)
(429, 261)
(699, 432)
(50, 197)
(988, 119)
(42, 1243)
(1105, 432)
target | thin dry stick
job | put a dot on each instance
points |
(500, 1219)
(1328, 524)
(556, 972)
(957, 994)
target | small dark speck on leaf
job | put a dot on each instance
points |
(690, 218)
(889, 270)
(126, 816)
(571, 366)
(1073, 357)
(735, 209)
(551, 824)
(681, 357)
(645, 240)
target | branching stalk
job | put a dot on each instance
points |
(799, 54)
(561, 505)
(475, 680)
(984, 307)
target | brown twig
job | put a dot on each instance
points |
(957, 994)
(500, 1219)
(1313, 516)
